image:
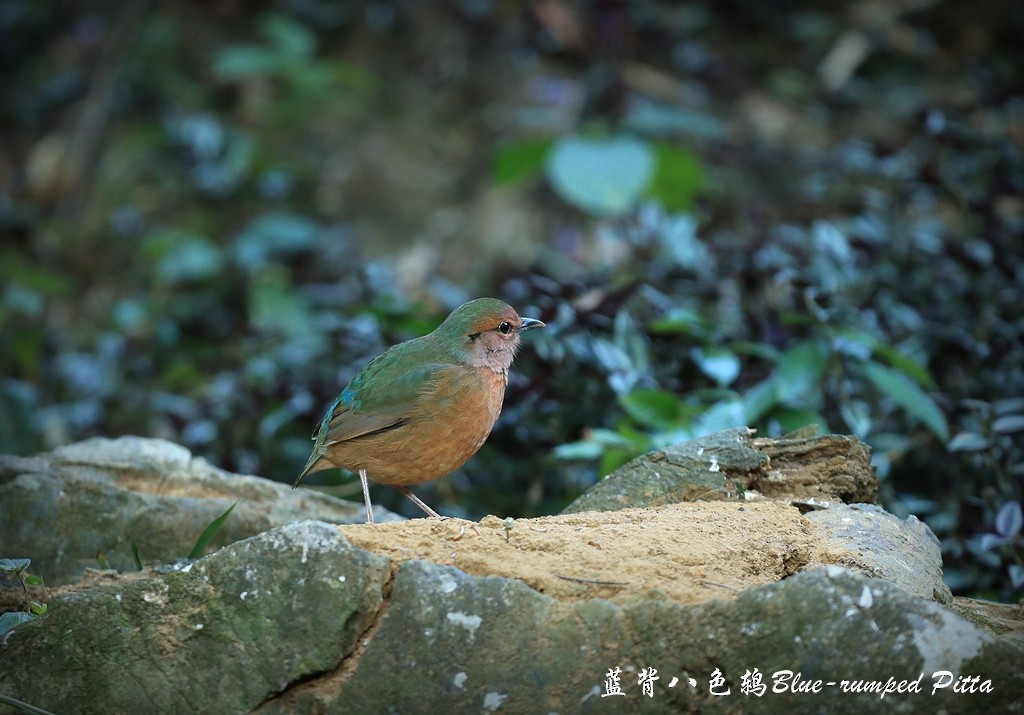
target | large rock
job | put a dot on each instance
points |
(731, 464)
(63, 508)
(530, 615)
(220, 636)
(300, 620)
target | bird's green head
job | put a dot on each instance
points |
(487, 331)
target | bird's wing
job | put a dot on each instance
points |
(381, 397)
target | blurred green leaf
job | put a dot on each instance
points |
(653, 408)
(906, 365)
(13, 618)
(583, 449)
(181, 373)
(188, 259)
(1009, 405)
(275, 235)
(764, 351)
(1009, 520)
(516, 161)
(609, 438)
(719, 364)
(240, 61)
(288, 41)
(289, 36)
(968, 442)
(615, 458)
(678, 177)
(906, 393)
(14, 565)
(801, 367)
(759, 400)
(1008, 423)
(857, 416)
(724, 414)
(603, 177)
(275, 305)
(791, 419)
(135, 553)
(209, 533)
(683, 321)
(44, 280)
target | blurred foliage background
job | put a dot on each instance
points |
(775, 214)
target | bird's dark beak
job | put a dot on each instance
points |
(529, 323)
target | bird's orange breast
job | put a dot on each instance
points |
(448, 420)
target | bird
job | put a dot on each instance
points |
(422, 408)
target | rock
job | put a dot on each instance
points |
(905, 553)
(728, 464)
(62, 509)
(492, 644)
(523, 615)
(220, 635)
(300, 620)
(1004, 619)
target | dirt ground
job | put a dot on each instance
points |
(689, 552)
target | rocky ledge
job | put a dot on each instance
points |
(768, 587)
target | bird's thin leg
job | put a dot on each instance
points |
(416, 500)
(366, 496)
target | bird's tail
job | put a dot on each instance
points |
(312, 465)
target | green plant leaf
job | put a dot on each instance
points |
(135, 552)
(1008, 423)
(615, 458)
(682, 321)
(1009, 520)
(759, 400)
(13, 618)
(292, 39)
(274, 235)
(857, 416)
(603, 177)
(969, 442)
(1009, 405)
(14, 565)
(653, 408)
(724, 414)
(678, 177)
(209, 532)
(801, 367)
(274, 303)
(792, 419)
(907, 365)
(719, 364)
(908, 395)
(518, 160)
(240, 61)
(183, 257)
(581, 450)
(34, 580)
(608, 437)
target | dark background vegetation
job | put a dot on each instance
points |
(774, 214)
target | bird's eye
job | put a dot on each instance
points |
(505, 327)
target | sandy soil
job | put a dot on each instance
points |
(690, 552)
